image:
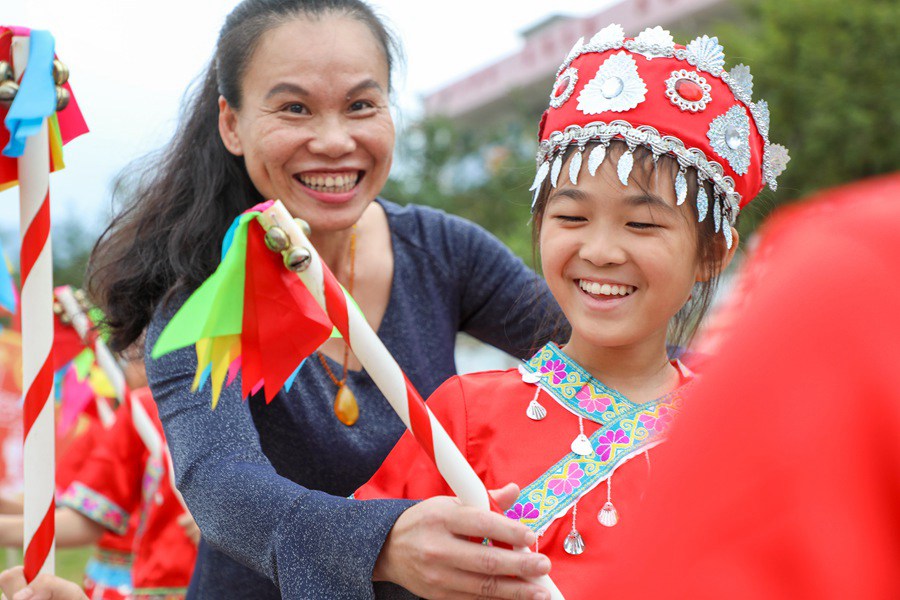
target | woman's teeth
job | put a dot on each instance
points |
(330, 183)
(605, 289)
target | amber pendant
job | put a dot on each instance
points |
(345, 406)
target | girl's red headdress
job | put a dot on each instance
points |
(675, 100)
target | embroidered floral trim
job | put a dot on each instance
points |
(627, 429)
(573, 387)
(113, 557)
(96, 507)
(104, 571)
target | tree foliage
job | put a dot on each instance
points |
(829, 71)
(482, 174)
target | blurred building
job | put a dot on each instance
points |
(483, 97)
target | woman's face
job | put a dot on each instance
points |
(314, 126)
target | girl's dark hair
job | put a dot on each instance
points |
(181, 199)
(711, 250)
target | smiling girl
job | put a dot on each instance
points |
(647, 153)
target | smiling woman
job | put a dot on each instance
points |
(295, 106)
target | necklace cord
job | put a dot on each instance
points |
(346, 362)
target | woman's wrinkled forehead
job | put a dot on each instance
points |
(325, 52)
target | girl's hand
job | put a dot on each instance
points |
(429, 552)
(189, 525)
(44, 587)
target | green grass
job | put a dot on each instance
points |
(69, 562)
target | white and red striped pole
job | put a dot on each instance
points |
(381, 366)
(143, 423)
(37, 342)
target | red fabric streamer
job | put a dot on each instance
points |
(294, 324)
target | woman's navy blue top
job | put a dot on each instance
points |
(268, 484)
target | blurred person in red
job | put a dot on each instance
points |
(125, 483)
(783, 478)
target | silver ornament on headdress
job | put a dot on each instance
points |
(572, 75)
(575, 49)
(626, 163)
(653, 42)
(556, 168)
(741, 77)
(575, 165)
(706, 53)
(619, 92)
(541, 175)
(595, 158)
(775, 160)
(702, 202)
(729, 136)
(680, 101)
(680, 187)
(717, 214)
(616, 87)
(760, 112)
(611, 36)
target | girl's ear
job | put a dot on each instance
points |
(228, 128)
(730, 252)
(705, 273)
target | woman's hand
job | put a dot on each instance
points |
(44, 587)
(429, 552)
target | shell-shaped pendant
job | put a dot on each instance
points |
(608, 515)
(581, 445)
(535, 411)
(574, 543)
(623, 169)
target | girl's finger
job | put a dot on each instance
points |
(506, 496)
(477, 523)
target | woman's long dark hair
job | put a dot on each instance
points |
(181, 199)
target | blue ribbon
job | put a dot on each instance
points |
(36, 98)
